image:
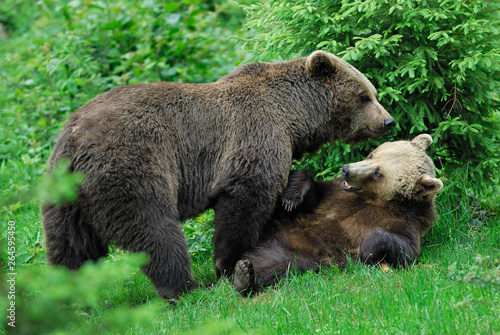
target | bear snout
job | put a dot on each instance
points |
(345, 171)
(389, 123)
(345, 184)
(382, 126)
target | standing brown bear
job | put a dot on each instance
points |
(154, 154)
(378, 211)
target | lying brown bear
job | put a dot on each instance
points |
(378, 212)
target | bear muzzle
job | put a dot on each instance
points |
(380, 128)
(345, 185)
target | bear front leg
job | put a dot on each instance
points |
(245, 192)
(381, 245)
(238, 220)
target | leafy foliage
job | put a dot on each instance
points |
(200, 232)
(61, 301)
(60, 185)
(436, 64)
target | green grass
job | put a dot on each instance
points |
(358, 301)
(435, 296)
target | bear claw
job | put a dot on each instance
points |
(243, 276)
(290, 203)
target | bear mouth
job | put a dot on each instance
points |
(378, 132)
(350, 188)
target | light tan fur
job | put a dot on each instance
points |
(403, 167)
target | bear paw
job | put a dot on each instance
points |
(243, 276)
(299, 184)
(291, 203)
(173, 294)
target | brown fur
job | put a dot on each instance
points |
(154, 154)
(377, 212)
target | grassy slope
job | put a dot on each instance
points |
(428, 298)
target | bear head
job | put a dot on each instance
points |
(354, 108)
(395, 171)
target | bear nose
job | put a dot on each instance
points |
(345, 170)
(389, 122)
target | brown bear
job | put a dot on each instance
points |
(154, 154)
(377, 211)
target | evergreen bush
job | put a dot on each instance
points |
(436, 65)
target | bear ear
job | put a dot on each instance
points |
(320, 64)
(422, 141)
(430, 186)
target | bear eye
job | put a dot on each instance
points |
(378, 173)
(365, 98)
(370, 156)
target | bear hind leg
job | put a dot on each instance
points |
(394, 249)
(160, 236)
(268, 264)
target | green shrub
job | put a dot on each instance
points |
(55, 300)
(60, 185)
(436, 64)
